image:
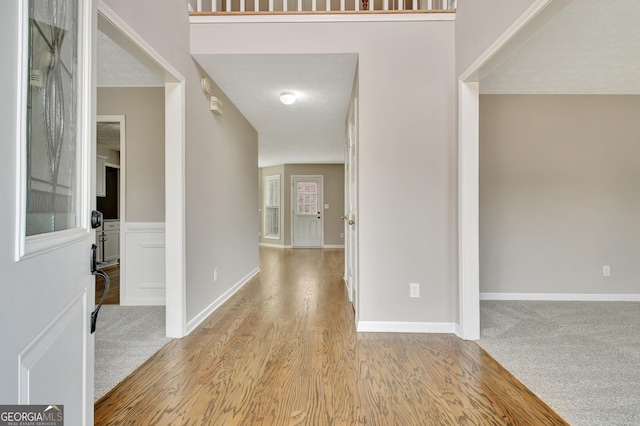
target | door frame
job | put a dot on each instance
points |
(351, 272)
(123, 35)
(320, 206)
(534, 18)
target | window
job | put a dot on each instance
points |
(307, 198)
(272, 207)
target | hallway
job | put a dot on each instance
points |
(283, 350)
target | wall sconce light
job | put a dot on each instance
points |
(287, 98)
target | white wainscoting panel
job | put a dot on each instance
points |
(144, 264)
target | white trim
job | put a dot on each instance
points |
(333, 246)
(145, 301)
(121, 119)
(468, 212)
(29, 246)
(322, 17)
(405, 327)
(468, 326)
(175, 131)
(471, 73)
(265, 189)
(145, 227)
(198, 319)
(578, 297)
(274, 245)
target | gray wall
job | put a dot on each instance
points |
(143, 108)
(221, 163)
(559, 194)
(333, 192)
(333, 195)
(407, 170)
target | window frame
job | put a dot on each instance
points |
(270, 183)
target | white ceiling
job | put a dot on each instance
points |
(309, 131)
(591, 47)
(117, 68)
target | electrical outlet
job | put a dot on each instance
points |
(342, 235)
(414, 290)
(606, 271)
(215, 275)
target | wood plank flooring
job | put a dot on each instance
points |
(284, 351)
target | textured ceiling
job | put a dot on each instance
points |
(591, 47)
(309, 131)
(117, 68)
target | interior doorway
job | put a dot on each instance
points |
(170, 228)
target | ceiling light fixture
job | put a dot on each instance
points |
(287, 98)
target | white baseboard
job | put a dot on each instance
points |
(333, 246)
(273, 245)
(197, 320)
(578, 297)
(143, 302)
(405, 327)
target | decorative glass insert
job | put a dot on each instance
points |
(52, 189)
(307, 198)
(272, 207)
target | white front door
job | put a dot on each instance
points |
(48, 163)
(307, 211)
(351, 207)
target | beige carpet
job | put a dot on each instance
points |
(126, 336)
(581, 358)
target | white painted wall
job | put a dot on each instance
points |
(221, 163)
(407, 192)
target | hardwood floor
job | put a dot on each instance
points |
(284, 351)
(113, 297)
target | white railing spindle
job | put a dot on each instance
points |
(311, 6)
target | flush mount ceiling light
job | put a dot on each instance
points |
(287, 98)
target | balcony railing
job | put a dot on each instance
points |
(323, 6)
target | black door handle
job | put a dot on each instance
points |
(105, 277)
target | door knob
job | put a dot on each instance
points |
(352, 222)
